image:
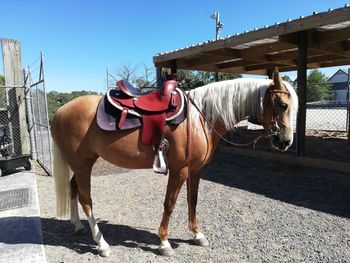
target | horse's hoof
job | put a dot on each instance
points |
(167, 251)
(203, 242)
(105, 252)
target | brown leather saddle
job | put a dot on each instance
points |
(153, 109)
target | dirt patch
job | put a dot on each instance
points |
(250, 211)
(330, 145)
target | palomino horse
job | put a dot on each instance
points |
(79, 142)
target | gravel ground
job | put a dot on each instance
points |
(250, 210)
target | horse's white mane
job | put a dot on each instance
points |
(233, 100)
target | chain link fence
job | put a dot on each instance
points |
(325, 110)
(10, 133)
(38, 115)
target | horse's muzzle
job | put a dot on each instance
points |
(281, 145)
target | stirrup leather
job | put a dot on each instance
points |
(160, 163)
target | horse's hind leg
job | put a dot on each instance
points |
(192, 194)
(83, 180)
(74, 212)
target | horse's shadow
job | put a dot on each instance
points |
(60, 233)
(321, 190)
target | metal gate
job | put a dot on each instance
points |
(37, 113)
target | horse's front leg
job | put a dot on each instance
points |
(175, 181)
(192, 194)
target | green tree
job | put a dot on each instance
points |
(226, 76)
(288, 79)
(318, 89)
(57, 99)
(190, 79)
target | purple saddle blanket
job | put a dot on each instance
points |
(108, 117)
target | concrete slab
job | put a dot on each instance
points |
(20, 228)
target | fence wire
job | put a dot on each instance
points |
(10, 132)
(40, 118)
(326, 110)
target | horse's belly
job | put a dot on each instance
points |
(127, 153)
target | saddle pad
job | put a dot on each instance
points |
(107, 117)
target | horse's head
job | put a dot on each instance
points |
(279, 103)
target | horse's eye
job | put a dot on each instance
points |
(283, 106)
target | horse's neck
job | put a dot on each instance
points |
(233, 104)
(233, 101)
(247, 102)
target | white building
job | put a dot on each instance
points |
(340, 84)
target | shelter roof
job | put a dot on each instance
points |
(257, 51)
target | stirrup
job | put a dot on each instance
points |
(160, 164)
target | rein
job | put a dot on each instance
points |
(270, 95)
(189, 194)
(254, 142)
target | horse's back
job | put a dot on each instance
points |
(72, 121)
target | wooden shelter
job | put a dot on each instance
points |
(315, 41)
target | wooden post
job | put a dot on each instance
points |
(11, 54)
(301, 90)
(173, 69)
(348, 104)
(159, 77)
(270, 73)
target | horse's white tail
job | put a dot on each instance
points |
(62, 182)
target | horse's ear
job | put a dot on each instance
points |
(277, 80)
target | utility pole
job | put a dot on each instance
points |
(348, 106)
(218, 26)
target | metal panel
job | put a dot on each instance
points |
(40, 121)
(16, 198)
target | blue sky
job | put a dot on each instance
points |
(81, 38)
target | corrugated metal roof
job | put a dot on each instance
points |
(261, 49)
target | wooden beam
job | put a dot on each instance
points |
(265, 49)
(330, 36)
(335, 63)
(301, 91)
(237, 63)
(307, 23)
(261, 66)
(193, 63)
(12, 59)
(159, 77)
(224, 52)
(338, 48)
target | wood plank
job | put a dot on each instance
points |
(307, 23)
(12, 60)
(193, 63)
(334, 48)
(225, 52)
(233, 64)
(330, 36)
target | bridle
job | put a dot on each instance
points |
(270, 97)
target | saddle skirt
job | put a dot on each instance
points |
(126, 109)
